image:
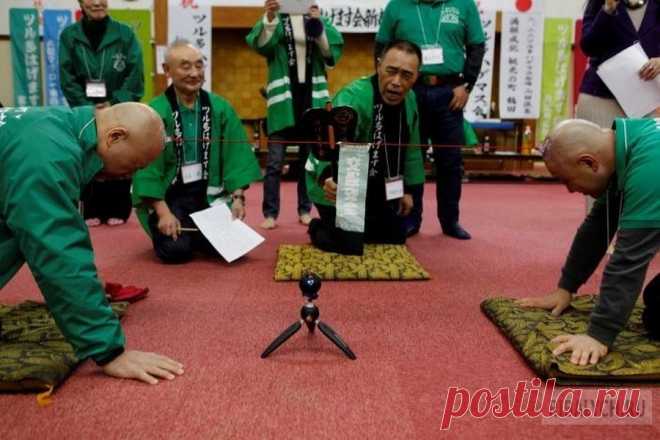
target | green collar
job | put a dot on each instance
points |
(85, 128)
(112, 34)
(621, 151)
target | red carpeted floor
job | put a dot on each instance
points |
(413, 340)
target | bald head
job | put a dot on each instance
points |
(581, 155)
(130, 136)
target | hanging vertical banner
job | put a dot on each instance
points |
(55, 20)
(353, 173)
(193, 22)
(140, 21)
(557, 40)
(354, 17)
(26, 56)
(478, 106)
(521, 63)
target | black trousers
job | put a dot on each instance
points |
(182, 200)
(381, 226)
(107, 199)
(651, 314)
(443, 127)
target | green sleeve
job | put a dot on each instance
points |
(387, 28)
(336, 42)
(413, 173)
(53, 238)
(267, 50)
(475, 30)
(239, 164)
(132, 90)
(72, 90)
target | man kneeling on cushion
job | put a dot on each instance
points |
(387, 118)
(48, 156)
(208, 159)
(620, 167)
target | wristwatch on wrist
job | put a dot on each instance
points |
(240, 197)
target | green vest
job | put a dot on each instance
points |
(48, 157)
(232, 163)
(117, 60)
(637, 155)
(359, 95)
(280, 110)
(451, 24)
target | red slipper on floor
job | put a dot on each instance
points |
(117, 292)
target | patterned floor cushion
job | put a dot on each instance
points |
(34, 356)
(633, 358)
(379, 262)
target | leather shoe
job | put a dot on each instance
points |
(456, 231)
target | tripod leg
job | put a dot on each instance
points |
(336, 339)
(281, 339)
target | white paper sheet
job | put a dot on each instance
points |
(621, 75)
(230, 237)
(295, 6)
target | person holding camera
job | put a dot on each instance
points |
(298, 49)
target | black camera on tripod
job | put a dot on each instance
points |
(309, 284)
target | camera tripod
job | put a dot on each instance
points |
(309, 315)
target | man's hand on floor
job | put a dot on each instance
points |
(556, 301)
(147, 367)
(584, 348)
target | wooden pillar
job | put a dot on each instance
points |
(160, 39)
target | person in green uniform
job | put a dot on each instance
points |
(101, 64)
(48, 156)
(620, 168)
(207, 159)
(298, 50)
(386, 116)
(453, 46)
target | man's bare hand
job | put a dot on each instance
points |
(584, 348)
(330, 189)
(557, 301)
(610, 5)
(406, 205)
(314, 11)
(147, 367)
(272, 6)
(650, 70)
(460, 98)
(169, 225)
(238, 209)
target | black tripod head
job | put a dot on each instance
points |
(310, 284)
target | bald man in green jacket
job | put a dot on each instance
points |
(48, 156)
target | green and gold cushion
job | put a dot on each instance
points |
(633, 358)
(379, 262)
(34, 356)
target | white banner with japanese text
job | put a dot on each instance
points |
(193, 22)
(478, 106)
(354, 17)
(521, 65)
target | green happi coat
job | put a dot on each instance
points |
(118, 61)
(359, 95)
(280, 100)
(232, 163)
(48, 157)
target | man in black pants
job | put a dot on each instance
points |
(453, 46)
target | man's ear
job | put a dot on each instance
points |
(116, 134)
(589, 161)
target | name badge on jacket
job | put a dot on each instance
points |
(95, 89)
(432, 55)
(394, 188)
(191, 173)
